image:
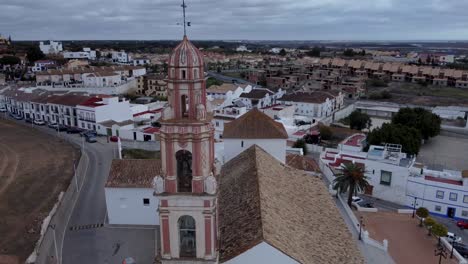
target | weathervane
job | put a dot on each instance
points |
(186, 24)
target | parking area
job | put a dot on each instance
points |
(408, 243)
(444, 151)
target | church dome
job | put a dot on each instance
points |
(185, 55)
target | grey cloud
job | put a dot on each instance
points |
(235, 19)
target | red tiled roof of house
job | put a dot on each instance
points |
(133, 173)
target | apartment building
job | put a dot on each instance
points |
(152, 85)
(96, 110)
(87, 54)
(50, 47)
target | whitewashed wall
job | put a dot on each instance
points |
(125, 206)
(262, 253)
(275, 147)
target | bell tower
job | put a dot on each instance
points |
(187, 188)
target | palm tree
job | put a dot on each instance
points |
(350, 179)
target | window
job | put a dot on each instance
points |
(217, 123)
(385, 178)
(184, 74)
(440, 195)
(146, 201)
(242, 144)
(453, 196)
(464, 213)
(465, 199)
(438, 208)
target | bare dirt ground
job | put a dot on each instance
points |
(413, 93)
(34, 169)
(407, 242)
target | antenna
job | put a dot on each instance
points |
(184, 6)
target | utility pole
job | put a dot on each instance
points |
(414, 205)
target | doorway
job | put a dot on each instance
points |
(451, 212)
(187, 236)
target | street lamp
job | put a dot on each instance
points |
(361, 225)
(440, 252)
(414, 205)
(453, 244)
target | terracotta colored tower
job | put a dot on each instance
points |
(187, 188)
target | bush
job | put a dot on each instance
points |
(422, 212)
(300, 143)
(429, 222)
(439, 230)
(427, 123)
(325, 133)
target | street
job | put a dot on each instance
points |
(87, 237)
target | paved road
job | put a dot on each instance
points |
(228, 79)
(103, 244)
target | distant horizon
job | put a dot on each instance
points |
(261, 40)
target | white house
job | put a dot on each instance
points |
(141, 61)
(223, 116)
(316, 105)
(50, 47)
(242, 48)
(443, 193)
(87, 53)
(42, 65)
(121, 56)
(92, 112)
(260, 97)
(254, 128)
(102, 79)
(129, 192)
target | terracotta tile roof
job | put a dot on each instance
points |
(254, 125)
(68, 99)
(301, 162)
(465, 174)
(262, 200)
(133, 173)
(256, 94)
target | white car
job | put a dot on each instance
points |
(3, 110)
(451, 238)
(356, 200)
(39, 122)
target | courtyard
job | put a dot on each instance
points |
(446, 152)
(34, 169)
(408, 243)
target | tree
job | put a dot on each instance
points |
(408, 137)
(34, 54)
(427, 123)
(300, 143)
(363, 52)
(325, 133)
(439, 230)
(10, 60)
(359, 121)
(349, 52)
(422, 212)
(315, 52)
(212, 81)
(351, 180)
(429, 223)
(282, 52)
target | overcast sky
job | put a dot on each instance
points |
(236, 19)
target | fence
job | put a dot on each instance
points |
(457, 255)
(57, 222)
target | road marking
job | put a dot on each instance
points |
(73, 207)
(82, 227)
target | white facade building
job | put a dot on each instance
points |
(50, 47)
(262, 253)
(87, 53)
(102, 79)
(42, 65)
(95, 110)
(316, 105)
(141, 61)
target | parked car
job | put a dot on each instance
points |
(39, 122)
(114, 139)
(61, 127)
(91, 139)
(451, 237)
(462, 224)
(28, 120)
(74, 130)
(88, 133)
(3, 110)
(18, 117)
(129, 260)
(52, 125)
(462, 249)
(356, 200)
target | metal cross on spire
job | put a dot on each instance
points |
(186, 24)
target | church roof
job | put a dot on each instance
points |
(254, 125)
(133, 173)
(262, 200)
(186, 55)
